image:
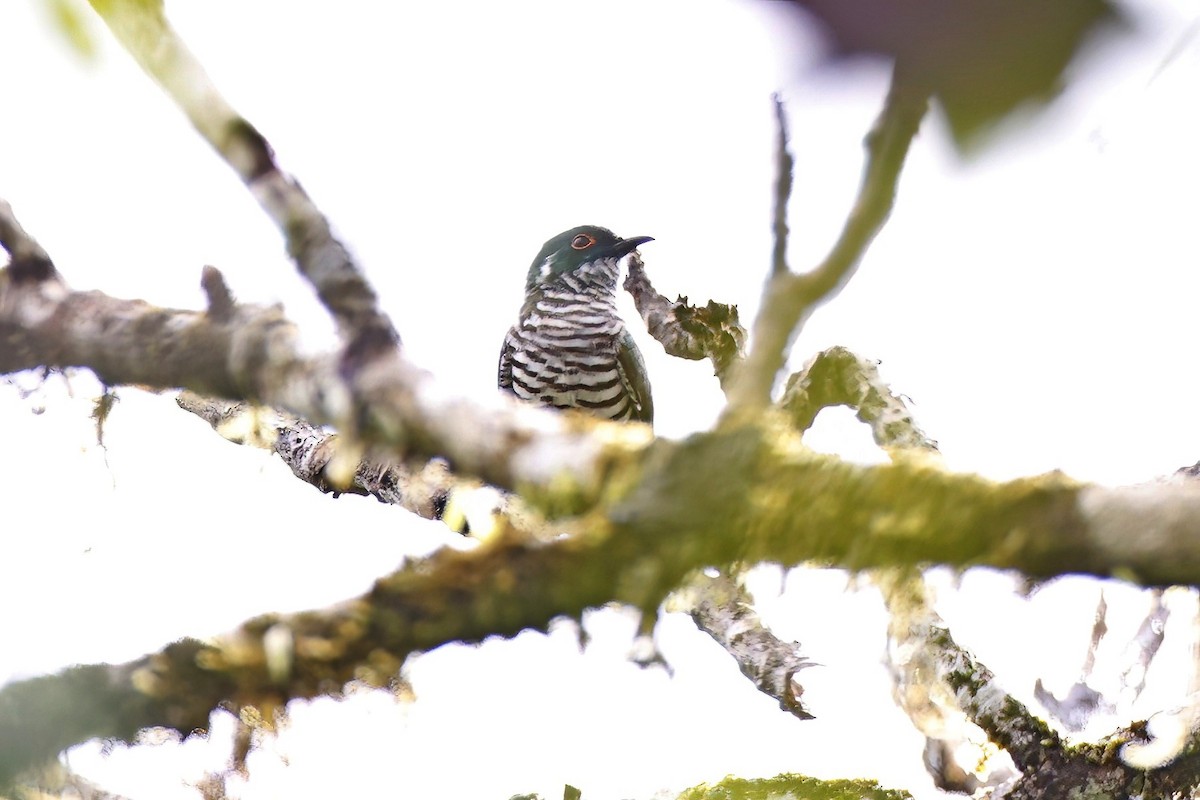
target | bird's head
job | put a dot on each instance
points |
(573, 250)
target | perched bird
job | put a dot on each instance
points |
(570, 349)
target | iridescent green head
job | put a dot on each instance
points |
(573, 249)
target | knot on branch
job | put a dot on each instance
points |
(220, 298)
(28, 262)
(247, 149)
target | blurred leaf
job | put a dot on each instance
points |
(73, 19)
(980, 58)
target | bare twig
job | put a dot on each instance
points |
(788, 298)
(1081, 703)
(1140, 652)
(143, 29)
(783, 189)
(220, 298)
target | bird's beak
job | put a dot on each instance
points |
(626, 246)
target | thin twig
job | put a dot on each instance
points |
(144, 31)
(789, 299)
(783, 188)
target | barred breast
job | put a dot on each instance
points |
(565, 352)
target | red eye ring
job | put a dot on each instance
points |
(583, 241)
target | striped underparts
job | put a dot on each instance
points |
(565, 350)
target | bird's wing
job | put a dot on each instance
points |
(633, 374)
(504, 372)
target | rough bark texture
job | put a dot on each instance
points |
(317, 457)
(685, 331)
(838, 377)
(724, 610)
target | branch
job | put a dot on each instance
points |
(837, 377)
(251, 353)
(1047, 765)
(783, 189)
(686, 331)
(1006, 721)
(318, 457)
(724, 610)
(751, 489)
(750, 493)
(142, 28)
(27, 260)
(721, 607)
(1081, 703)
(789, 298)
(918, 663)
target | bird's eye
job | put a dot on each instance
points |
(583, 241)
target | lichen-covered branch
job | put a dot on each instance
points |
(789, 298)
(724, 610)
(752, 482)
(317, 457)
(142, 28)
(720, 606)
(838, 377)
(1006, 721)
(251, 353)
(751, 493)
(1048, 768)
(916, 661)
(687, 331)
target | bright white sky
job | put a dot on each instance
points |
(1036, 302)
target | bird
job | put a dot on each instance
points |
(570, 348)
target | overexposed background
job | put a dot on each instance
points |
(1036, 303)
